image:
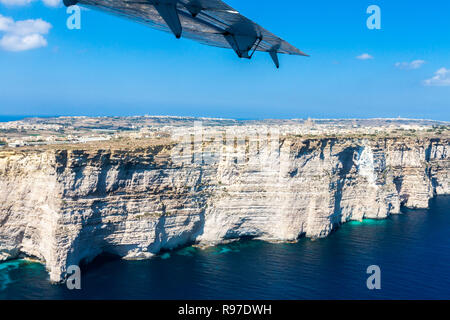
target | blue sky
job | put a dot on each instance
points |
(113, 66)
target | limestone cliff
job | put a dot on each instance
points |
(65, 205)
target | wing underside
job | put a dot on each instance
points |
(211, 22)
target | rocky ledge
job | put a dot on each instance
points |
(64, 205)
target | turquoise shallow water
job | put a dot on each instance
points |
(412, 250)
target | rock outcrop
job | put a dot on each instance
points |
(68, 205)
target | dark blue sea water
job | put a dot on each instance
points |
(10, 118)
(412, 250)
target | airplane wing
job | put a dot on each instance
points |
(210, 22)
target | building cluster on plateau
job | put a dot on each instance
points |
(74, 130)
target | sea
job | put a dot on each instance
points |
(4, 118)
(11, 118)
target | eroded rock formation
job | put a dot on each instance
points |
(70, 204)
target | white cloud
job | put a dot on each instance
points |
(52, 3)
(21, 43)
(24, 27)
(364, 56)
(23, 35)
(441, 78)
(49, 3)
(416, 64)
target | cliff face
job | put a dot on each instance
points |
(65, 206)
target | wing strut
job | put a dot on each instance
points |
(168, 11)
(274, 56)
